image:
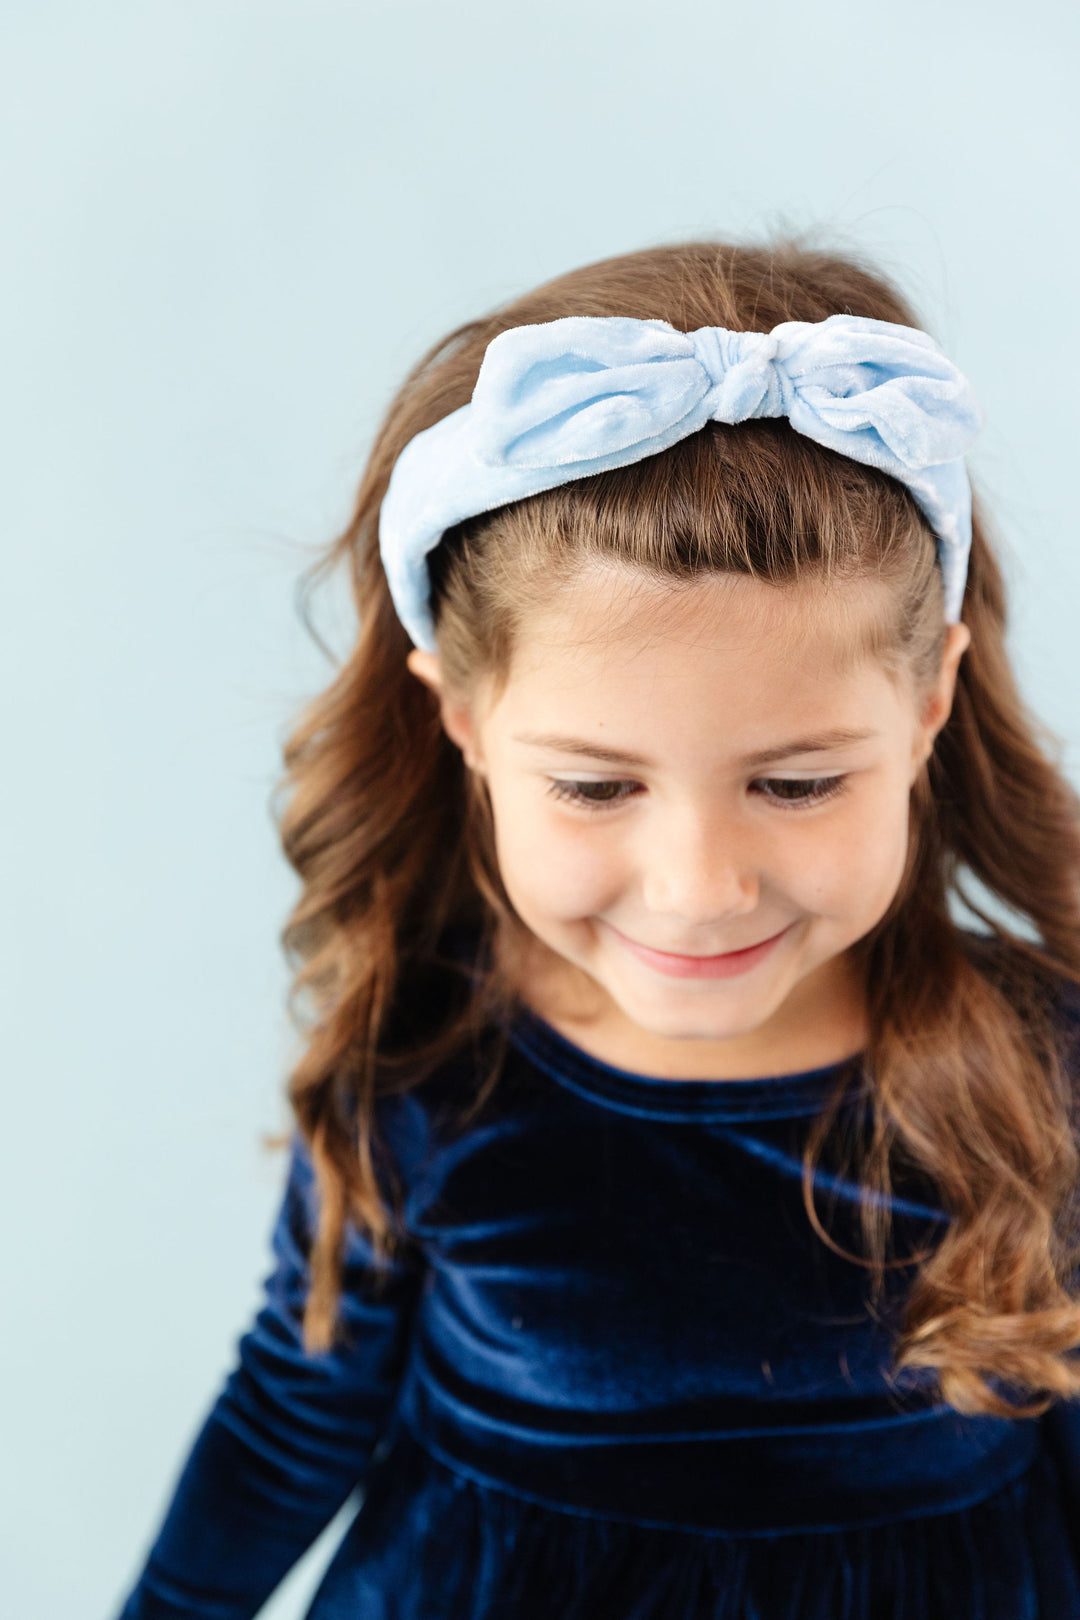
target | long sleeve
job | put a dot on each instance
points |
(290, 1434)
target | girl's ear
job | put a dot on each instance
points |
(956, 645)
(456, 717)
(939, 704)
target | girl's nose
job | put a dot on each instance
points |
(698, 867)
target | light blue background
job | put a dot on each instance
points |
(229, 226)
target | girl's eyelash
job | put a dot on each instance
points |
(819, 788)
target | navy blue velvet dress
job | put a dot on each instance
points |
(613, 1376)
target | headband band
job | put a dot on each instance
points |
(564, 399)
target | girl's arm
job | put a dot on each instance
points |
(288, 1437)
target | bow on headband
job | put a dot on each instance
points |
(564, 399)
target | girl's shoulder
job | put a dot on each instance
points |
(431, 1078)
(1012, 971)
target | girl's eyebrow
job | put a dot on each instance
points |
(818, 744)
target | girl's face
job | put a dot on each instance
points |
(678, 774)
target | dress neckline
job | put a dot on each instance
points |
(761, 1097)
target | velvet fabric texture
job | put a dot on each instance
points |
(614, 1375)
(565, 399)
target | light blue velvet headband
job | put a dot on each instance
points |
(564, 399)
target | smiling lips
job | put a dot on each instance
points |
(724, 966)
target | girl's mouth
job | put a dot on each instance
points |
(724, 966)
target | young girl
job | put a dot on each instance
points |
(681, 1218)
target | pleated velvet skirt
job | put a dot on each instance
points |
(432, 1542)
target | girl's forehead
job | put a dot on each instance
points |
(724, 656)
(615, 618)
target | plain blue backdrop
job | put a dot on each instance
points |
(228, 228)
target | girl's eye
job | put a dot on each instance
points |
(591, 795)
(793, 794)
(812, 790)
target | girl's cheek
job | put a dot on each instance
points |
(822, 860)
(857, 865)
(561, 865)
(575, 865)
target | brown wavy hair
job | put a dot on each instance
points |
(391, 835)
